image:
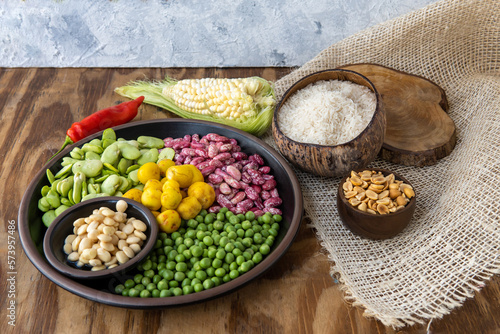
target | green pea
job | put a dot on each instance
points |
(173, 284)
(155, 293)
(156, 278)
(119, 289)
(206, 262)
(257, 258)
(277, 218)
(177, 291)
(132, 292)
(170, 265)
(168, 275)
(217, 263)
(145, 280)
(138, 278)
(217, 281)
(145, 294)
(257, 238)
(163, 284)
(208, 284)
(198, 287)
(226, 278)
(220, 272)
(179, 276)
(181, 267)
(129, 283)
(149, 156)
(150, 142)
(250, 215)
(237, 252)
(264, 249)
(125, 292)
(165, 293)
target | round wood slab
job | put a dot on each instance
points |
(419, 131)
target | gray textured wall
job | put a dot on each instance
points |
(183, 33)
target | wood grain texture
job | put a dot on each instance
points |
(297, 295)
(419, 131)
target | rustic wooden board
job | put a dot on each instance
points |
(419, 131)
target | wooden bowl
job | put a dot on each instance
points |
(62, 226)
(335, 160)
(374, 226)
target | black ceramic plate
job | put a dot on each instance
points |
(31, 228)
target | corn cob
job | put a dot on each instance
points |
(245, 103)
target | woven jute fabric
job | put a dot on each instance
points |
(452, 246)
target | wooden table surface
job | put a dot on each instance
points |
(296, 296)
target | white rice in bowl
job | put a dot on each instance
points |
(327, 112)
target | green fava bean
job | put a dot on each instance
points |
(78, 184)
(111, 154)
(133, 176)
(166, 153)
(53, 199)
(65, 201)
(111, 168)
(90, 168)
(150, 142)
(92, 148)
(128, 151)
(108, 137)
(77, 153)
(93, 188)
(60, 209)
(65, 185)
(125, 184)
(64, 171)
(150, 155)
(91, 196)
(48, 217)
(45, 190)
(92, 156)
(68, 161)
(111, 185)
(123, 165)
(96, 142)
(50, 176)
(43, 204)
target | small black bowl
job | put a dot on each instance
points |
(62, 226)
(374, 226)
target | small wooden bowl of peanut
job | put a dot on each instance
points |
(375, 203)
(100, 237)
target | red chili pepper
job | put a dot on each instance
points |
(101, 120)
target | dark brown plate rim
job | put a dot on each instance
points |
(108, 298)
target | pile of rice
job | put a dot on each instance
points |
(327, 112)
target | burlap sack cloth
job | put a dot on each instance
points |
(452, 247)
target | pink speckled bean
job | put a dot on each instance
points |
(189, 151)
(267, 177)
(187, 160)
(216, 163)
(196, 161)
(252, 193)
(258, 203)
(232, 182)
(273, 211)
(272, 202)
(214, 208)
(258, 212)
(197, 145)
(265, 195)
(245, 205)
(212, 150)
(180, 158)
(201, 152)
(240, 196)
(223, 156)
(215, 179)
(243, 185)
(195, 138)
(216, 137)
(251, 165)
(225, 202)
(207, 171)
(203, 164)
(234, 172)
(274, 192)
(265, 169)
(226, 148)
(245, 177)
(225, 188)
(269, 185)
(239, 156)
(257, 159)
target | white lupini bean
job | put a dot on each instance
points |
(105, 238)
(121, 206)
